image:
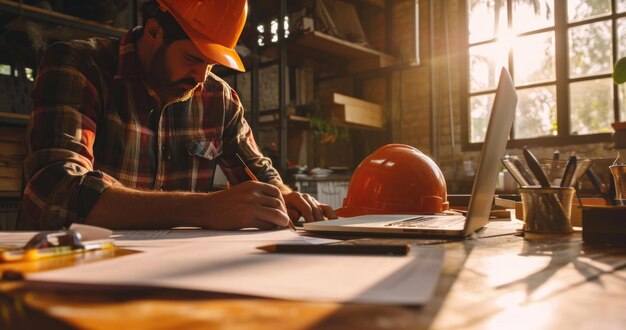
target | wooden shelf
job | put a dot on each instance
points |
(291, 119)
(377, 3)
(14, 118)
(10, 194)
(359, 58)
(53, 17)
(374, 3)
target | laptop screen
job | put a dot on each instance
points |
(500, 123)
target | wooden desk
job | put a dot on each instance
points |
(504, 282)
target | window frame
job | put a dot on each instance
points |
(563, 80)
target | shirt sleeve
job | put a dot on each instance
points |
(62, 185)
(238, 139)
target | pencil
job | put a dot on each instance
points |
(254, 178)
(247, 169)
(363, 249)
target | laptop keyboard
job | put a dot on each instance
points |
(426, 222)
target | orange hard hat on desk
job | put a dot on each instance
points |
(214, 26)
(395, 179)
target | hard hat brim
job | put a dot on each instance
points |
(213, 51)
(220, 54)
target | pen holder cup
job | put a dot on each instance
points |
(547, 210)
(619, 177)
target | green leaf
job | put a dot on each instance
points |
(619, 71)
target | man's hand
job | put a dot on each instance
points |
(309, 208)
(251, 204)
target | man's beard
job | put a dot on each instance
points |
(168, 90)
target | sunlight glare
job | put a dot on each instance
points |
(506, 39)
(516, 317)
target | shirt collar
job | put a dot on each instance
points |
(128, 64)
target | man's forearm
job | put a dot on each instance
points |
(247, 205)
(124, 208)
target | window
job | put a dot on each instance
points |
(560, 54)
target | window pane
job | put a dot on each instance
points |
(533, 56)
(485, 63)
(621, 37)
(532, 15)
(590, 49)
(591, 106)
(621, 6)
(536, 112)
(581, 9)
(480, 109)
(486, 20)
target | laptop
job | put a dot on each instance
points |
(500, 122)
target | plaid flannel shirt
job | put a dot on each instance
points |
(95, 124)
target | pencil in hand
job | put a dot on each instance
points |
(254, 178)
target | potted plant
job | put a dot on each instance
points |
(323, 130)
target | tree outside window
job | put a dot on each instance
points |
(560, 54)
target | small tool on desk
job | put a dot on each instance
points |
(47, 245)
(254, 178)
(535, 167)
(358, 249)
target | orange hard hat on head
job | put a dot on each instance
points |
(214, 26)
(395, 179)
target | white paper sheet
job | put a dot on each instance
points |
(147, 240)
(236, 266)
(15, 239)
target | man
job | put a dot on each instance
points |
(127, 133)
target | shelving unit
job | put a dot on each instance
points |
(358, 57)
(18, 53)
(14, 17)
(52, 17)
(327, 55)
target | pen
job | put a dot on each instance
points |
(364, 249)
(254, 178)
(535, 167)
(568, 174)
(554, 166)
